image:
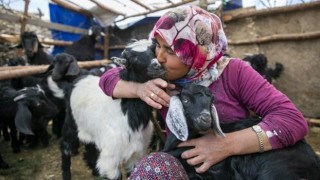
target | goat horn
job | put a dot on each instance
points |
(18, 98)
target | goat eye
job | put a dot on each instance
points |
(185, 100)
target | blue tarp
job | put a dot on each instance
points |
(232, 4)
(62, 15)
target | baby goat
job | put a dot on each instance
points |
(84, 48)
(120, 129)
(27, 110)
(33, 49)
(192, 113)
(259, 62)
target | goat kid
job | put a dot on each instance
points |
(27, 110)
(192, 114)
(259, 62)
(84, 48)
(33, 49)
(117, 131)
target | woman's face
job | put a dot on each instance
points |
(169, 60)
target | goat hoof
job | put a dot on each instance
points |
(16, 150)
(4, 165)
(74, 152)
(95, 172)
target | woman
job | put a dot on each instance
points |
(190, 45)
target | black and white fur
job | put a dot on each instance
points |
(33, 49)
(120, 129)
(193, 111)
(27, 111)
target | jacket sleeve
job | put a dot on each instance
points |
(109, 80)
(283, 123)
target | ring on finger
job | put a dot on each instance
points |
(152, 94)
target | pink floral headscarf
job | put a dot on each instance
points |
(197, 38)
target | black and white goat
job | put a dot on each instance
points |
(27, 110)
(33, 49)
(117, 130)
(84, 48)
(259, 62)
(192, 113)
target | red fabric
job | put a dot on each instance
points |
(158, 166)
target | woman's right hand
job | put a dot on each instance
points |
(155, 92)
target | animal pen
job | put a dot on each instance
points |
(295, 42)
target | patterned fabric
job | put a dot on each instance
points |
(158, 166)
(198, 39)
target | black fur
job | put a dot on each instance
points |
(27, 110)
(259, 62)
(33, 49)
(296, 162)
(84, 48)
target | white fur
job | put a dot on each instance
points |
(57, 92)
(140, 46)
(100, 120)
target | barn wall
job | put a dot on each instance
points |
(301, 78)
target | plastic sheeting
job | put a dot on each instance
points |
(64, 16)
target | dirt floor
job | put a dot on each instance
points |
(44, 163)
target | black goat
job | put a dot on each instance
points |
(259, 62)
(3, 164)
(115, 131)
(84, 48)
(33, 49)
(193, 112)
(27, 110)
(18, 61)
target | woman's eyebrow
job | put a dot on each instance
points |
(167, 47)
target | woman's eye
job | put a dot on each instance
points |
(170, 51)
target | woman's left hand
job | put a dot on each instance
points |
(208, 150)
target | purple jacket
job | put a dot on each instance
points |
(240, 89)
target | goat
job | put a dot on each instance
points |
(84, 48)
(3, 164)
(192, 113)
(116, 130)
(33, 49)
(27, 110)
(259, 63)
(18, 61)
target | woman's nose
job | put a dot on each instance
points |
(161, 56)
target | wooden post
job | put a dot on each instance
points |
(24, 18)
(20, 71)
(73, 8)
(106, 42)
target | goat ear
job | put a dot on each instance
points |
(215, 122)
(23, 119)
(120, 61)
(16, 46)
(73, 69)
(176, 120)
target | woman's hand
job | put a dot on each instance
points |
(208, 150)
(154, 92)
